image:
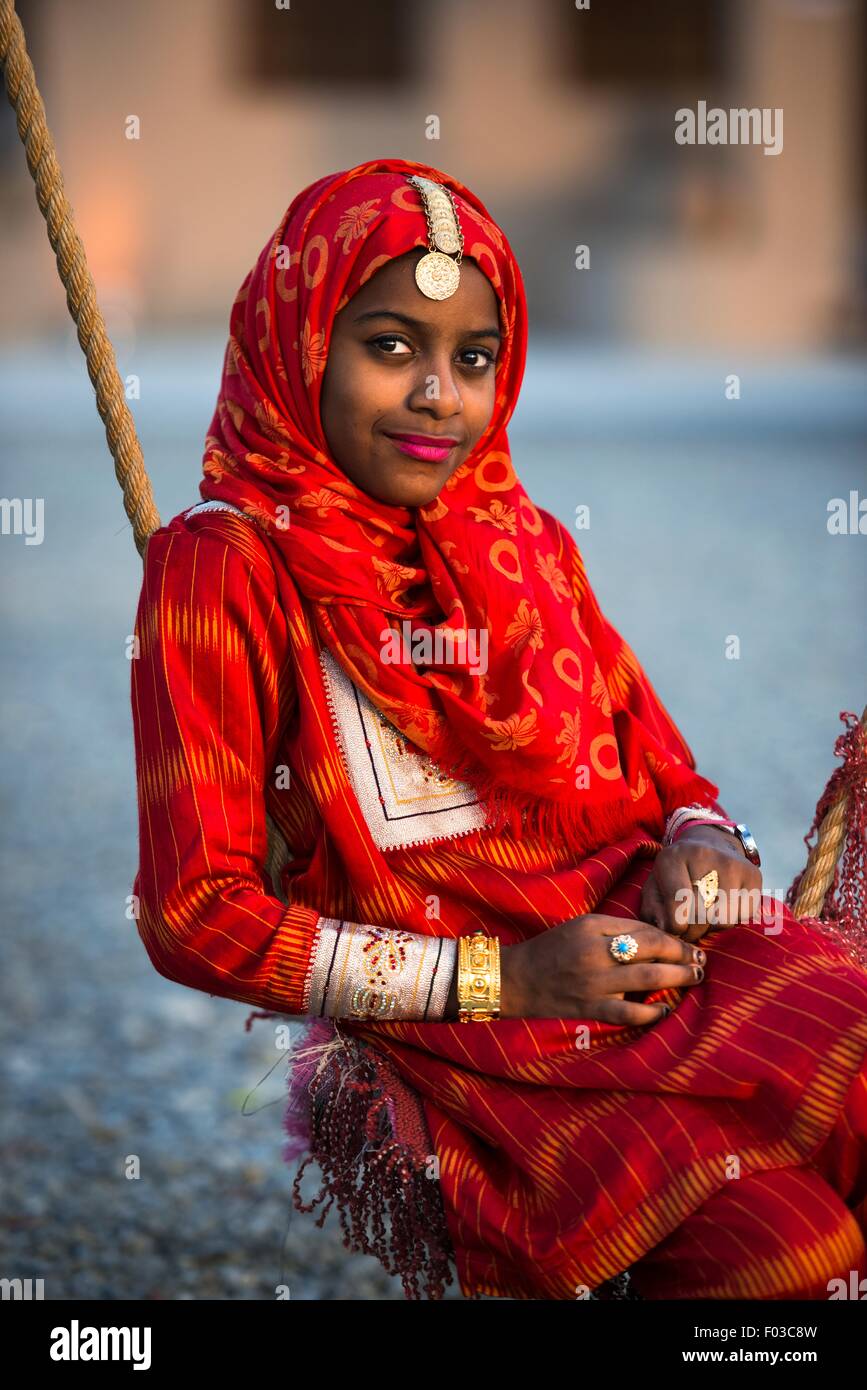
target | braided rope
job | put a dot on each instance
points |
(120, 431)
(822, 861)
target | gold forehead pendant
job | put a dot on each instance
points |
(438, 272)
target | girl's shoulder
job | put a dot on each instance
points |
(212, 550)
(205, 533)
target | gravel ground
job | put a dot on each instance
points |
(102, 1058)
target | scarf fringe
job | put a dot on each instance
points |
(364, 1128)
(583, 825)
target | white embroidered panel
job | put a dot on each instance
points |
(404, 798)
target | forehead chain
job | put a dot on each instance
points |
(438, 272)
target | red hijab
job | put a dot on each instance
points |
(480, 557)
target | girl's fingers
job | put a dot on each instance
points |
(652, 906)
(677, 894)
(642, 977)
(625, 1011)
(654, 945)
(738, 894)
(713, 913)
(733, 902)
(743, 898)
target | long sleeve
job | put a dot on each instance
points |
(208, 686)
(634, 699)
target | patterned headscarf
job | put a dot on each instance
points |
(535, 734)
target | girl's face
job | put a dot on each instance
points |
(402, 364)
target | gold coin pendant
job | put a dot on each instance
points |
(437, 276)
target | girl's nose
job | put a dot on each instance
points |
(436, 389)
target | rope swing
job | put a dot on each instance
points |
(77, 280)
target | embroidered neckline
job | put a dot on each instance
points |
(390, 831)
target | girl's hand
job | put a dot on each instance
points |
(670, 900)
(569, 971)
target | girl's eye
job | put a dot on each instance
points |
(486, 356)
(389, 338)
(386, 339)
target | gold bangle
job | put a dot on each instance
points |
(478, 978)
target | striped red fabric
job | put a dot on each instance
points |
(565, 1159)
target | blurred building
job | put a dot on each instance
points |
(561, 119)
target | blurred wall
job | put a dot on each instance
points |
(562, 120)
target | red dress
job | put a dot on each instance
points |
(717, 1153)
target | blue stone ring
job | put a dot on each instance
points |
(623, 948)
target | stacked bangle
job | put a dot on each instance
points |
(702, 815)
(478, 978)
(705, 815)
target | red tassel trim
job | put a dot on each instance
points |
(368, 1136)
(844, 911)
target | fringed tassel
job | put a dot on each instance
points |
(844, 910)
(350, 1108)
(320, 1040)
(582, 823)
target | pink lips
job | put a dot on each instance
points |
(424, 446)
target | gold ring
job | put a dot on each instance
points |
(708, 886)
(623, 948)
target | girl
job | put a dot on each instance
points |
(498, 858)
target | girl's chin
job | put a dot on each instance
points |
(410, 497)
(405, 483)
(415, 489)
